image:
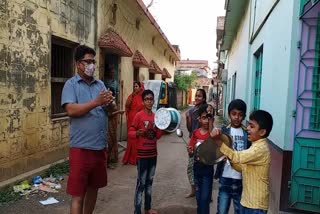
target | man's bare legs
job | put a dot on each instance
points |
(76, 205)
(90, 200)
(86, 204)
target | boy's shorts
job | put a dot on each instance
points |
(87, 169)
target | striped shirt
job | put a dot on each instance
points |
(146, 146)
(254, 164)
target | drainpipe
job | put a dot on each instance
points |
(95, 24)
(218, 77)
(248, 94)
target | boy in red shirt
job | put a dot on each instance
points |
(203, 174)
(143, 128)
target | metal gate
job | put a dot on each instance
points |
(305, 185)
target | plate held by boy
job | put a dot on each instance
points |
(209, 153)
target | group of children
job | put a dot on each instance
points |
(244, 174)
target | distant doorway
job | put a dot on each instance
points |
(136, 74)
(111, 67)
(151, 76)
(112, 63)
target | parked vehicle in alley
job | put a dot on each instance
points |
(164, 93)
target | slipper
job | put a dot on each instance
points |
(151, 211)
(111, 166)
(190, 195)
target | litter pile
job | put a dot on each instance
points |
(39, 184)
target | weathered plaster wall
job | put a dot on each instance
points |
(29, 138)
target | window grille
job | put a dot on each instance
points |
(315, 109)
(61, 70)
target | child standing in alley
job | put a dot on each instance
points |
(203, 174)
(230, 180)
(254, 163)
(143, 128)
(192, 124)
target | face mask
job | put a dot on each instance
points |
(89, 69)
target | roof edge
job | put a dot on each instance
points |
(235, 10)
(155, 24)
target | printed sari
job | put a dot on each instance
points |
(112, 136)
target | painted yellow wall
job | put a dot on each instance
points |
(137, 39)
(29, 138)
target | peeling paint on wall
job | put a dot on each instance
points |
(25, 41)
(29, 103)
(14, 121)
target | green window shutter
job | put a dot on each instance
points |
(257, 80)
(315, 109)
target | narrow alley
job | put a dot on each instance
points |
(169, 189)
(74, 75)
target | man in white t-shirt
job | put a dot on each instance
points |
(230, 180)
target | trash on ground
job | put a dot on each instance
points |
(29, 191)
(51, 179)
(49, 201)
(50, 184)
(46, 188)
(37, 179)
(22, 186)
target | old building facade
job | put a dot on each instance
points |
(37, 39)
(272, 63)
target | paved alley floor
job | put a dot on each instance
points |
(169, 188)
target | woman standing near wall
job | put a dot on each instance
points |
(112, 85)
(134, 104)
(112, 136)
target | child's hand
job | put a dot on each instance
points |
(215, 132)
(120, 111)
(218, 141)
(140, 132)
(190, 150)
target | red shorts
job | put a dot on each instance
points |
(88, 168)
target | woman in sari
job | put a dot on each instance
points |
(113, 112)
(134, 104)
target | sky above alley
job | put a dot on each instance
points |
(191, 24)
